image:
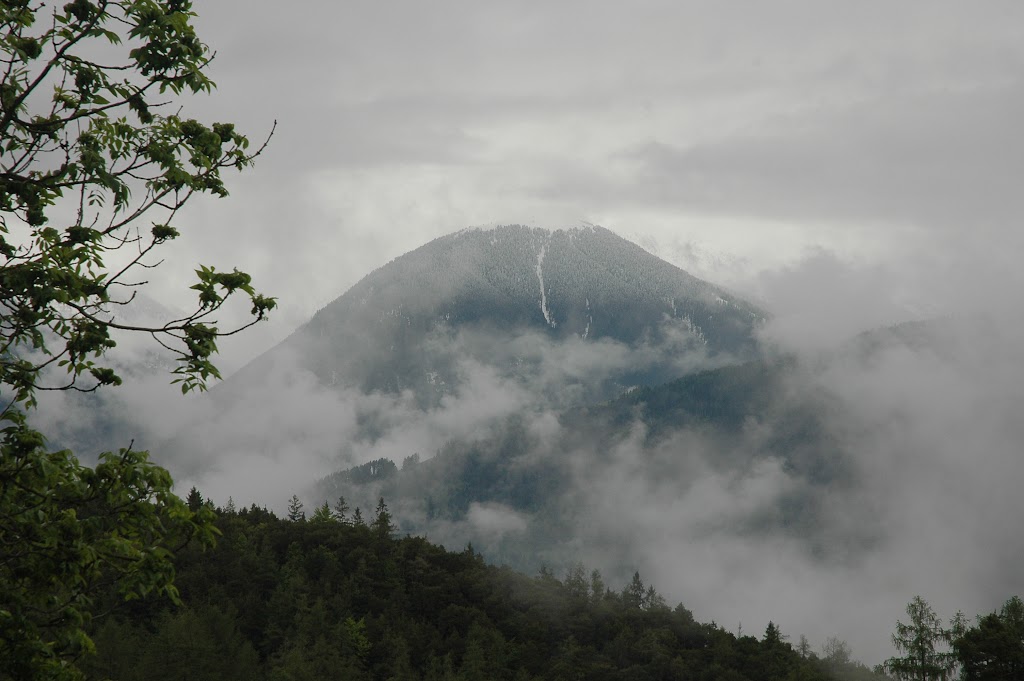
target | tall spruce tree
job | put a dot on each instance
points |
(341, 510)
(382, 524)
(924, 644)
(295, 512)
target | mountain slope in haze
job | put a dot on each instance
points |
(409, 323)
(770, 447)
(528, 497)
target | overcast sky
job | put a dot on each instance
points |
(863, 155)
(847, 165)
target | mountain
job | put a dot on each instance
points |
(731, 420)
(545, 487)
(407, 325)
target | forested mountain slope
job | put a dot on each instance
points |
(732, 418)
(321, 598)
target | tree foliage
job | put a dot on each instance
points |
(96, 161)
(336, 600)
(89, 150)
(994, 647)
(923, 643)
(295, 512)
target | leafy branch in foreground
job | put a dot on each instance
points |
(87, 155)
(67, 533)
(96, 162)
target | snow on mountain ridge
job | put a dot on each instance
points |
(595, 286)
(543, 294)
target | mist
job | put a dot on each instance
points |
(853, 171)
(929, 418)
(919, 423)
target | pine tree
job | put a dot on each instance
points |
(575, 581)
(295, 512)
(597, 586)
(922, 642)
(194, 500)
(654, 600)
(341, 510)
(382, 524)
(993, 649)
(634, 594)
(773, 654)
(322, 514)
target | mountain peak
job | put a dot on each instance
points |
(585, 283)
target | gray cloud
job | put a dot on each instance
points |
(942, 158)
(933, 440)
(882, 130)
(851, 166)
(930, 432)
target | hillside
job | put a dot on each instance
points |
(322, 598)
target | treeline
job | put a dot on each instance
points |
(320, 598)
(992, 649)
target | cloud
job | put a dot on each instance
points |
(768, 130)
(931, 432)
(851, 166)
(822, 301)
(495, 520)
(725, 524)
(941, 158)
(266, 437)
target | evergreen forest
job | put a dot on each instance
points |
(332, 597)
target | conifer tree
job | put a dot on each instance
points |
(194, 500)
(633, 594)
(993, 649)
(598, 590)
(382, 524)
(295, 512)
(341, 510)
(924, 643)
(653, 600)
(322, 514)
(575, 581)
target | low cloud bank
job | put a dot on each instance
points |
(926, 419)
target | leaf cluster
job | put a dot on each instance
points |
(70, 532)
(89, 151)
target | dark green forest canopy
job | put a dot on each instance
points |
(280, 599)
